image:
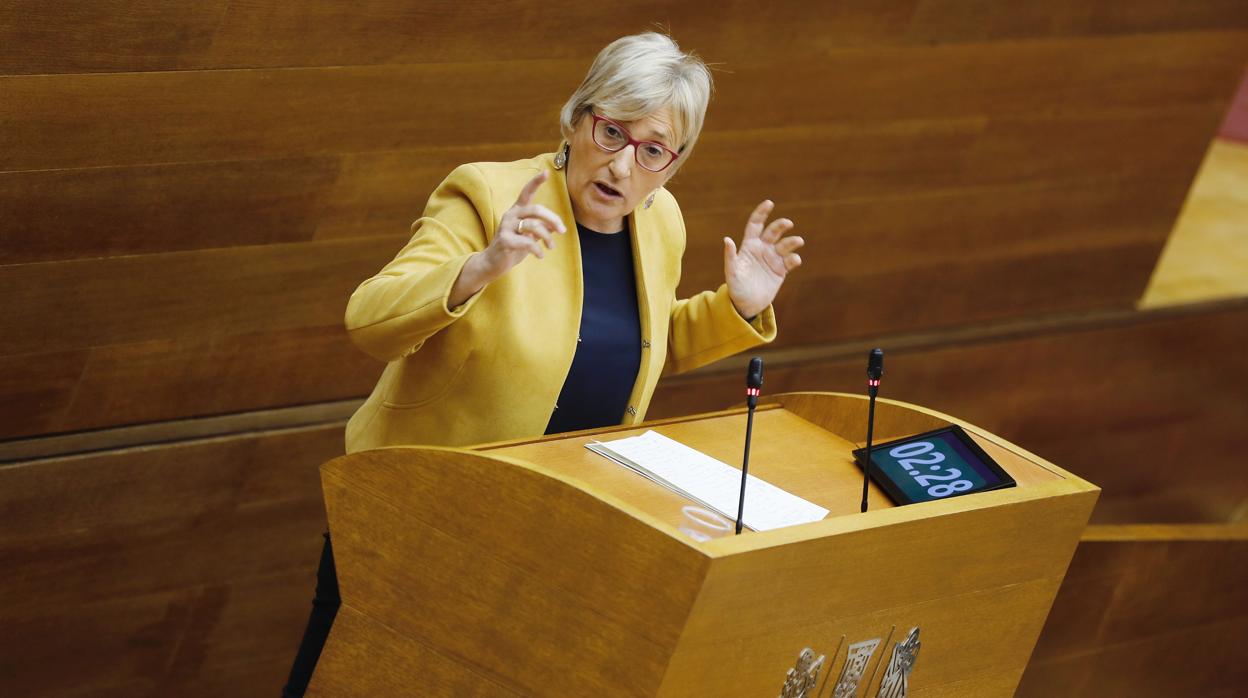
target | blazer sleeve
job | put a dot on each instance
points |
(391, 314)
(707, 327)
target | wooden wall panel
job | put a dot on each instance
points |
(185, 295)
(61, 121)
(235, 639)
(1042, 79)
(36, 388)
(223, 359)
(192, 333)
(22, 277)
(196, 356)
(62, 36)
(69, 214)
(149, 381)
(77, 120)
(138, 375)
(169, 174)
(978, 19)
(857, 303)
(1139, 406)
(102, 212)
(866, 235)
(67, 36)
(850, 161)
(1147, 611)
(181, 569)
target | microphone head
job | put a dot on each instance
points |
(875, 364)
(754, 375)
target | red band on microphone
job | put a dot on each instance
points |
(753, 392)
(874, 383)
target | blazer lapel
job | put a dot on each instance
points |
(567, 284)
(647, 253)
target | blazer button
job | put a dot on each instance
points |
(632, 410)
(645, 344)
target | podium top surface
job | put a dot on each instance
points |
(802, 443)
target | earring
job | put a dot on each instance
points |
(561, 158)
(650, 200)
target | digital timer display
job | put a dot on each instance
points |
(935, 465)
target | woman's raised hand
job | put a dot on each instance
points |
(755, 272)
(522, 231)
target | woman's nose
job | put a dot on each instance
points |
(622, 163)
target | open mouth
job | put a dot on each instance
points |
(608, 191)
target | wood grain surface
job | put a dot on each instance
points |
(185, 177)
(189, 568)
(182, 569)
(1128, 404)
(446, 564)
(188, 192)
(1147, 611)
(65, 36)
(615, 596)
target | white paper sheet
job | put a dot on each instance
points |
(711, 483)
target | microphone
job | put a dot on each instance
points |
(875, 372)
(753, 388)
(875, 369)
(754, 381)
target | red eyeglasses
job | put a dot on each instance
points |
(612, 137)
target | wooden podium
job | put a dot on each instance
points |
(539, 568)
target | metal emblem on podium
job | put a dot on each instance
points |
(801, 680)
(896, 680)
(856, 663)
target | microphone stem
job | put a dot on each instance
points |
(866, 469)
(745, 465)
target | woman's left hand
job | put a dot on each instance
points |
(756, 271)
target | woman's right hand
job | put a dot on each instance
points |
(522, 231)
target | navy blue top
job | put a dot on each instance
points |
(608, 352)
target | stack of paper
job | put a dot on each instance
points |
(711, 483)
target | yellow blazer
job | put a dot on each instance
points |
(492, 368)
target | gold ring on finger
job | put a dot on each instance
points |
(520, 228)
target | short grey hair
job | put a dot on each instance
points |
(636, 75)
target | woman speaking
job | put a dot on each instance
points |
(539, 296)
